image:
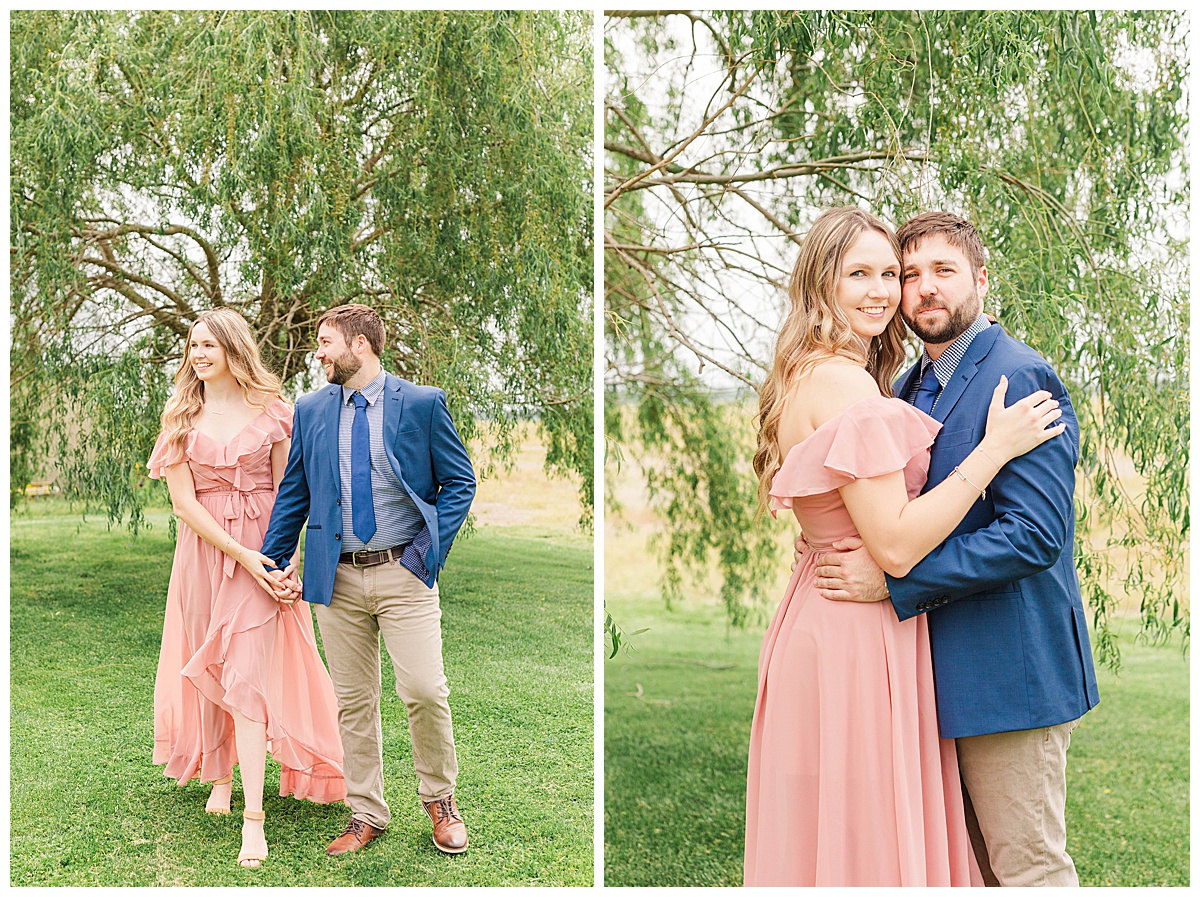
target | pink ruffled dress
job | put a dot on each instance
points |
(228, 644)
(849, 782)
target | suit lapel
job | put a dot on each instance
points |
(965, 372)
(329, 419)
(393, 408)
(902, 387)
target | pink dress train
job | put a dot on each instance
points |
(849, 782)
(228, 644)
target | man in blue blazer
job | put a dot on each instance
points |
(380, 474)
(1008, 634)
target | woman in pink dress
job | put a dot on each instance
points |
(238, 672)
(849, 783)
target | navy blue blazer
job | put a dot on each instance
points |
(1008, 633)
(425, 453)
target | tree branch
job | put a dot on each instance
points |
(678, 335)
(633, 181)
(161, 316)
(109, 264)
(782, 172)
(213, 287)
(769, 215)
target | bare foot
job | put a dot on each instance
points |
(254, 842)
(218, 800)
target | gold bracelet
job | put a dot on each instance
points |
(962, 476)
(979, 448)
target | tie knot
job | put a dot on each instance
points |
(360, 401)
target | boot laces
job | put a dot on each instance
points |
(447, 808)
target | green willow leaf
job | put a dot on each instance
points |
(436, 165)
(1060, 133)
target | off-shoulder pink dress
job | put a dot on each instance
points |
(849, 783)
(228, 644)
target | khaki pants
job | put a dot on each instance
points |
(1015, 796)
(387, 599)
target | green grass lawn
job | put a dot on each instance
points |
(89, 808)
(677, 728)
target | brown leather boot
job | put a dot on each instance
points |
(357, 835)
(449, 830)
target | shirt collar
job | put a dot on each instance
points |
(948, 361)
(371, 392)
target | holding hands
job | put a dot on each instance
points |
(282, 585)
(287, 585)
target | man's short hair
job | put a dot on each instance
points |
(352, 320)
(959, 233)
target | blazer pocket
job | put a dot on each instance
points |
(311, 528)
(1007, 590)
(409, 433)
(955, 437)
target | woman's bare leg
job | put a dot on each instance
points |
(252, 759)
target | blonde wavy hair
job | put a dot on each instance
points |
(816, 329)
(259, 386)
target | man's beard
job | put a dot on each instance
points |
(345, 366)
(958, 322)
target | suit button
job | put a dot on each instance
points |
(339, 502)
(337, 536)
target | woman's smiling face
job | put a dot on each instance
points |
(207, 355)
(868, 285)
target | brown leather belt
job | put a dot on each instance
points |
(364, 558)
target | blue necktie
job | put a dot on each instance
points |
(363, 505)
(927, 391)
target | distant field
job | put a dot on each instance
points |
(525, 496)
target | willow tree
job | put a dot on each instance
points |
(1062, 135)
(434, 165)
